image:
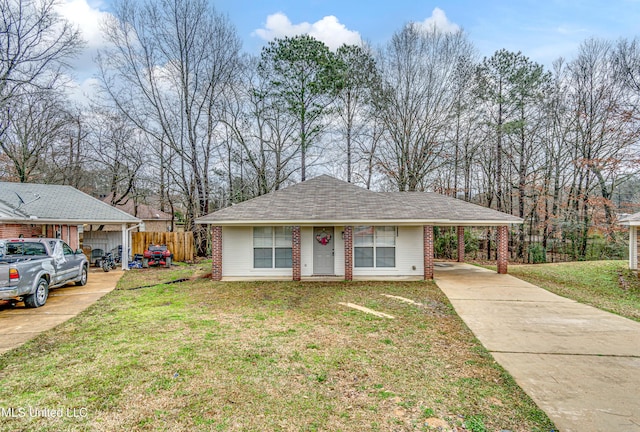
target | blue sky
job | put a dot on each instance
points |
(543, 30)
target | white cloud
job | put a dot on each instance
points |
(328, 30)
(87, 17)
(438, 20)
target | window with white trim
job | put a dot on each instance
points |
(374, 246)
(272, 247)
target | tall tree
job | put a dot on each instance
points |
(301, 72)
(36, 128)
(418, 67)
(168, 68)
(359, 79)
(35, 45)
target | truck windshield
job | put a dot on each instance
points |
(25, 248)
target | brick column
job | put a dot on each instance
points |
(460, 244)
(502, 249)
(295, 252)
(216, 249)
(348, 253)
(428, 251)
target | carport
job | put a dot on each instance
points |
(58, 211)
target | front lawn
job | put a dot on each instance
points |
(201, 355)
(607, 285)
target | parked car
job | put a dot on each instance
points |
(157, 255)
(29, 267)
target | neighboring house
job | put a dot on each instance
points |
(107, 237)
(632, 221)
(327, 227)
(154, 220)
(42, 210)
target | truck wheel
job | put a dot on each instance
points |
(106, 266)
(167, 262)
(83, 277)
(145, 263)
(38, 298)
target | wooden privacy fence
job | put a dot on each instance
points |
(180, 244)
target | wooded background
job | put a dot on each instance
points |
(184, 120)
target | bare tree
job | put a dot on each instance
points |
(418, 68)
(37, 126)
(169, 67)
(35, 44)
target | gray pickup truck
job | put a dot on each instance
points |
(30, 266)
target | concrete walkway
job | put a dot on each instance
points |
(20, 324)
(580, 365)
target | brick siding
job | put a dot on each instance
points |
(460, 244)
(15, 230)
(295, 253)
(348, 253)
(503, 249)
(216, 249)
(428, 251)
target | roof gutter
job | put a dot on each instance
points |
(400, 222)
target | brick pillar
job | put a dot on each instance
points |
(503, 249)
(428, 251)
(216, 249)
(348, 253)
(295, 252)
(460, 244)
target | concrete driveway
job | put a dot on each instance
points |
(580, 365)
(20, 324)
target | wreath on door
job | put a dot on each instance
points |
(323, 238)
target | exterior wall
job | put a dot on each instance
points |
(633, 247)
(503, 249)
(216, 249)
(409, 256)
(15, 230)
(105, 240)
(307, 240)
(348, 253)
(427, 251)
(295, 252)
(68, 233)
(237, 255)
(157, 225)
(306, 251)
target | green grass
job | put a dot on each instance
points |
(607, 285)
(256, 356)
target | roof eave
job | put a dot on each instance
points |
(335, 222)
(42, 221)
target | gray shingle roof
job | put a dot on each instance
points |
(325, 199)
(57, 203)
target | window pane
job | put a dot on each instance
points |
(283, 258)
(262, 257)
(363, 236)
(385, 257)
(283, 236)
(262, 237)
(363, 257)
(385, 236)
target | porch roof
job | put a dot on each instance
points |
(631, 220)
(42, 204)
(326, 200)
